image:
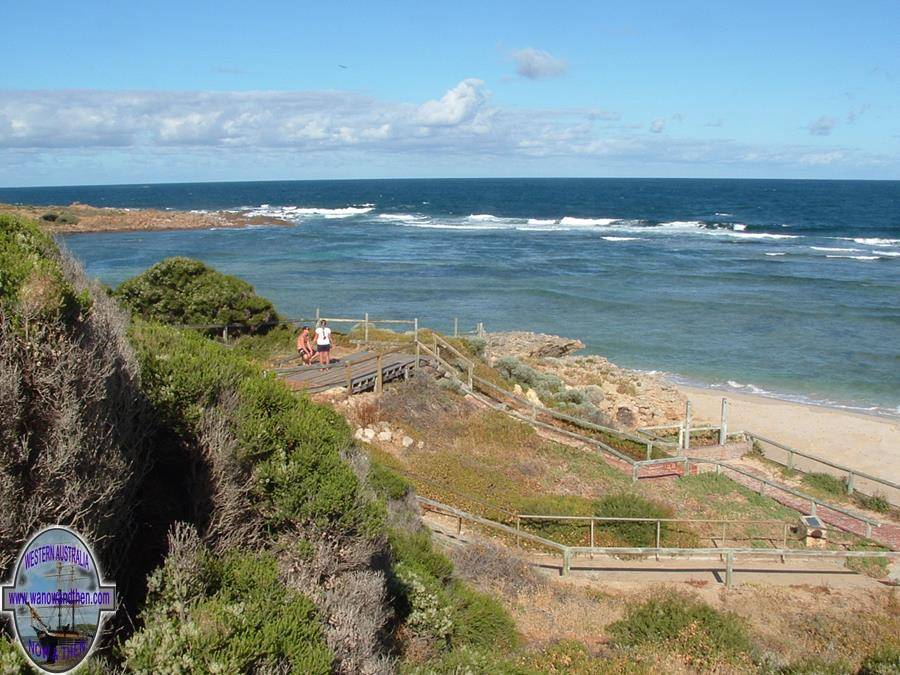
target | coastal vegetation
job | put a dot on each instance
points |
(183, 291)
(250, 532)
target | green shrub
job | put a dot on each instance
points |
(876, 502)
(281, 340)
(234, 616)
(468, 661)
(185, 291)
(817, 665)
(32, 283)
(883, 661)
(291, 445)
(387, 483)
(513, 369)
(562, 531)
(826, 483)
(416, 552)
(12, 661)
(481, 622)
(629, 505)
(684, 625)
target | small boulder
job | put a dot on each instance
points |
(368, 434)
(407, 442)
(420, 445)
(385, 436)
(532, 397)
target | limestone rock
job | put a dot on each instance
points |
(523, 344)
(406, 442)
(385, 436)
(532, 397)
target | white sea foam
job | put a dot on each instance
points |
(892, 254)
(402, 217)
(722, 213)
(294, 212)
(739, 227)
(621, 238)
(830, 249)
(587, 222)
(776, 253)
(855, 257)
(541, 221)
(873, 241)
(487, 218)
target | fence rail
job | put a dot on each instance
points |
(568, 552)
(873, 483)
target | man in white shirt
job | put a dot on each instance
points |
(323, 343)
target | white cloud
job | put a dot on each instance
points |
(458, 105)
(209, 130)
(854, 115)
(822, 126)
(536, 64)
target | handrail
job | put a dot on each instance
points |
(728, 553)
(815, 501)
(459, 513)
(820, 460)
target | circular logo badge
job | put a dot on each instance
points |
(57, 599)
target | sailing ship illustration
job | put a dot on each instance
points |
(62, 642)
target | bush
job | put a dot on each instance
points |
(684, 625)
(229, 614)
(876, 502)
(883, 661)
(513, 369)
(184, 291)
(386, 483)
(628, 505)
(826, 483)
(481, 622)
(416, 552)
(291, 445)
(33, 285)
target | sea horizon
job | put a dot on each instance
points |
(785, 288)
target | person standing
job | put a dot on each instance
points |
(323, 342)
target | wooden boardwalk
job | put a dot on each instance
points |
(358, 371)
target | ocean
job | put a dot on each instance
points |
(777, 287)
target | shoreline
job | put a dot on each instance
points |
(78, 218)
(864, 441)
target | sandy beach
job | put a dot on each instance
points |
(865, 442)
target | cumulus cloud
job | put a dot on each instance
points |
(344, 129)
(854, 115)
(458, 105)
(822, 126)
(536, 64)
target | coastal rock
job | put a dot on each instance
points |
(420, 445)
(406, 442)
(532, 397)
(522, 344)
(385, 436)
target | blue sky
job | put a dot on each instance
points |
(111, 92)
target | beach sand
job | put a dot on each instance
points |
(864, 442)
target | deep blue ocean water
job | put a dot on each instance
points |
(783, 287)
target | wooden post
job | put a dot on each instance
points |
(634, 473)
(416, 332)
(592, 538)
(518, 529)
(791, 460)
(681, 435)
(729, 570)
(471, 376)
(649, 451)
(723, 429)
(850, 475)
(417, 354)
(349, 378)
(687, 425)
(459, 526)
(225, 333)
(379, 377)
(367, 327)
(455, 326)
(812, 510)
(567, 561)
(658, 538)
